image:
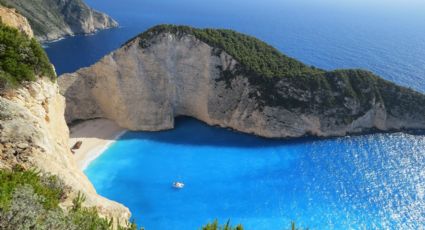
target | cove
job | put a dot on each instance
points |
(366, 182)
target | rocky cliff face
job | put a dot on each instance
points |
(54, 19)
(33, 134)
(11, 18)
(149, 81)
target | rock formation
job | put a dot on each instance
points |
(172, 71)
(13, 19)
(54, 19)
(34, 135)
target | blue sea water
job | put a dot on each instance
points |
(385, 36)
(364, 182)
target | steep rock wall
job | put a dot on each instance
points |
(33, 134)
(145, 87)
(11, 18)
(54, 19)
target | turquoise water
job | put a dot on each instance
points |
(368, 182)
(365, 182)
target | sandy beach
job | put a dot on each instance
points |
(96, 135)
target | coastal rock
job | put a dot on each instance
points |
(55, 19)
(33, 134)
(157, 76)
(11, 18)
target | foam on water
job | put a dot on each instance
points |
(374, 181)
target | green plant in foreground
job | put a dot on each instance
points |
(215, 226)
(30, 200)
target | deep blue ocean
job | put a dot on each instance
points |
(363, 182)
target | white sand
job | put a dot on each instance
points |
(96, 136)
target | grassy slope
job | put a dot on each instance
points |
(283, 81)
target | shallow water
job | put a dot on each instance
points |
(369, 182)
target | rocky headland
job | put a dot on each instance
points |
(33, 131)
(232, 80)
(55, 19)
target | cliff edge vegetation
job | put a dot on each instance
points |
(21, 58)
(266, 68)
(54, 19)
(31, 200)
(34, 135)
(233, 80)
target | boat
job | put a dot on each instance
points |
(178, 185)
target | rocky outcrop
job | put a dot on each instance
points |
(54, 19)
(33, 134)
(158, 76)
(11, 18)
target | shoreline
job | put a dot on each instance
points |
(96, 136)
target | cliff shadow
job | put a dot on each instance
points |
(190, 131)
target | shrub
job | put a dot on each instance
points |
(48, 188)
(21, 58)
(29, 200)
(215, 226)
(24, 211)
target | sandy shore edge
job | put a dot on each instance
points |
(96, 136)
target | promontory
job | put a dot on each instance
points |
(232, 80)
(55, 19)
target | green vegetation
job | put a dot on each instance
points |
(54, 19)
(280, 81)
(3, 3)
(254, 55)
(49, 188)
(29, 200)
(216, 226)
(21, 58)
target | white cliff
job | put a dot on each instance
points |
(146, 87)
(33, 134)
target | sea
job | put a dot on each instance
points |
(375, 181)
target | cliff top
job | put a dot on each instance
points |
(11, 18)
(21, 58)
(255, 55)
(278, 77)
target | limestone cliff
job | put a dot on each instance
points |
(34, 134)
(164, 73)
(54, 19)
(11, 18)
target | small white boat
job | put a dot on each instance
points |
(178, 185)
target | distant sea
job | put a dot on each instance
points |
(367, 182)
